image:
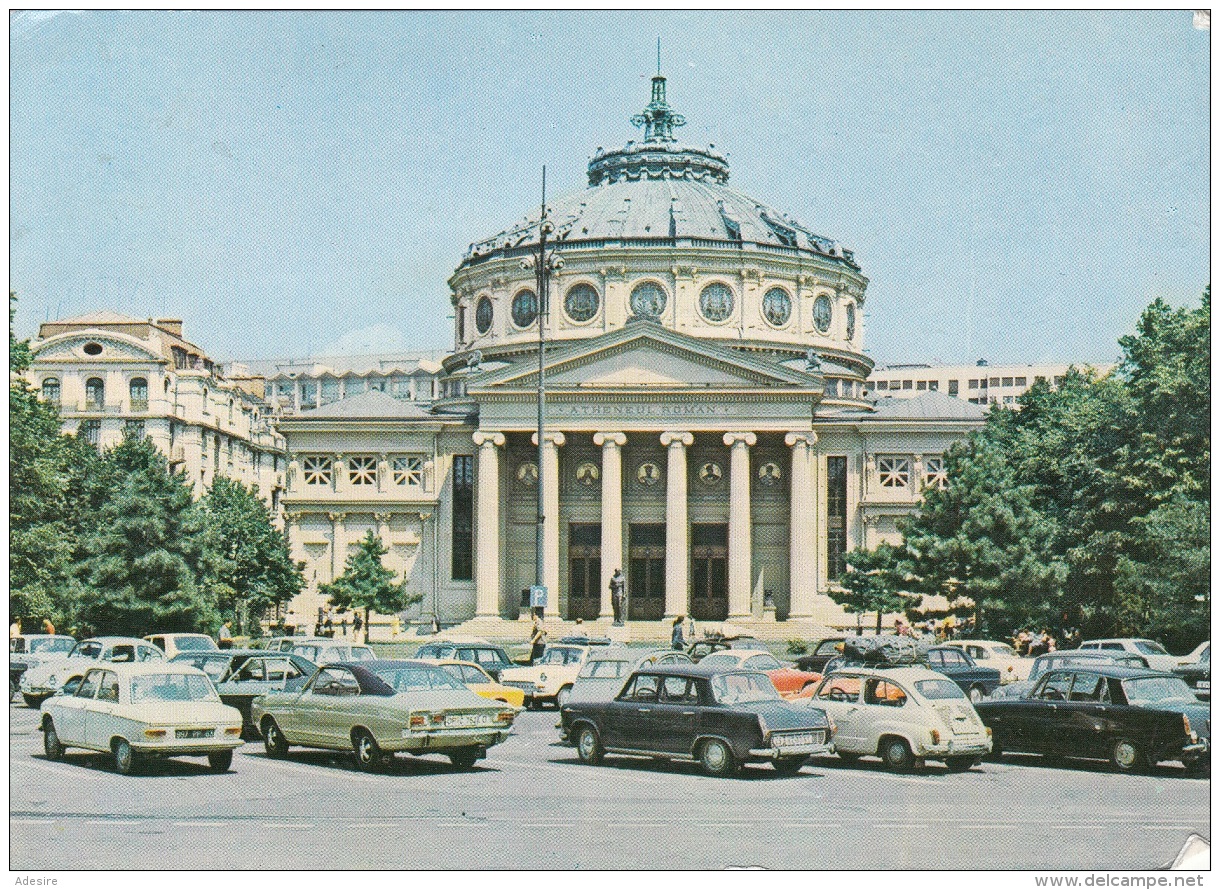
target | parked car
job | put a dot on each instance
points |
(489, 657)
(551, 677)
(1198, 674)
(1132, 717)
(377, 708)
(1200, 653)
(993, 654)
(823, 651)
(39, 683)
(30, 650)
(480, 682)
(788, 680)
(603, 674)
(722, 719)
(1053, 660)
(977, 682)
(321, 650)
(172, 644)
(904, 715)
(1153, 652)
(143, 710)
(242, 675)
(715, 643)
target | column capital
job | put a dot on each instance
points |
(677, 438)
(604, 439)
(293, 516)
(336, 517)
(740, 439)
(382, 518)
(556, 439)
(807, 438)
(484, 438)
(425, 515)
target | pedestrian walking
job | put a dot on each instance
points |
(537, 640)
(343, 628)
(357, 624)
(675, 638)
(225, 636)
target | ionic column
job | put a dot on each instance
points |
(677, 526)
(802, 546)
(548, 476)
(740, 552)
(487, 530)
(612, 511)
(338, 550)
(292, 525)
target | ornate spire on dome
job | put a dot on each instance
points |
(658, 119)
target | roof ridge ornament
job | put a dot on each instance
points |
(658, 119)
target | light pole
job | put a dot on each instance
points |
(543, 264)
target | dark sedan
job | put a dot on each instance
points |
(1198, 675)
(823, 651)
(243, 675)
(977, 682)
(721, 719)
(1132, 717)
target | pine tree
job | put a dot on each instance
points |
(368, 585)
(872, 583)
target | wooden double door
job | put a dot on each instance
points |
(584, 570)
(709, 571)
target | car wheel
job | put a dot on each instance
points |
(51, 744)
(274, 742)
(463, 759)
(32, 701)
(960, 764)
(1128, 756)
(562, 696)
(124, 757)
(897, 754)
(368, 755)
(220, 761)
(589, 745)
(976, 694)
(532, 704)
(717, 758)
(13, 689)
(788, 766)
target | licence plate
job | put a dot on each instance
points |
(194, 733)
(1204, 684)
(784, 741)
(466, 720)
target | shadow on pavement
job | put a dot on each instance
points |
(150, 768)
(403, 765)
(751, 771)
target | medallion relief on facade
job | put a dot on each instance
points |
(648, 474)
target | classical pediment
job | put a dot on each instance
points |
(647, 356)
(115, 347)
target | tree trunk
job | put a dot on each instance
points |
(878, 621)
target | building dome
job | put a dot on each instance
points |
(660, 234)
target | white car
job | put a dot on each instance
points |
(141, 711)
(992, 654)
(323, 650)
(1199, 654)
(172, 644)
(552, 676)
(1151, 651)
(39, 683)
(30, 650)
(903, 715)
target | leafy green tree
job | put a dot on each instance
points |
(368, 585)
(872, 583)
(254, 571)
(147, 555)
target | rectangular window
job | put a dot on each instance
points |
(330, 390)
(1039, 379)
(91, 432)
(995, 381)
(973, 384)
(1007, 381)
(133, 429)
(934, 471)
(906, 384)
(894, 471)
(921, 385)
(883, 385)
(409, 470)
(1018, 381)
(934, 386)
(463, 518)
(836, 516)
(952, 387)
(832, 387)
(362, 470)
(316, 470)
(309, 395)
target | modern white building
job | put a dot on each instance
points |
(980, 384)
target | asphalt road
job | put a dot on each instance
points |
(532, 804)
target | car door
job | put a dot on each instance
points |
(303, 716)
(70, 718)
(839, 696)
(1084, 723)
(626, 714)
(1049, 715)
(345, 710)
(673, 723)
(99, 714)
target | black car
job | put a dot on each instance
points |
(823, 651)
(242, 675)
(1198, 675)
(487, 656)
(714, 643)
(977, 682)
(719, 718)
(1132, 717)
(1066, 658)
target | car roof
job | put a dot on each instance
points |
(470, 644)
(901, 672)
(175, 635)
(444, 661)
(692, 670)
(460, 639)
(739, 654)
(1119, 640)
(622, 653)
(135, 668)
(1117, 671)
(110, 641)
(956, 643)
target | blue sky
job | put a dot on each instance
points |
(1017, 186)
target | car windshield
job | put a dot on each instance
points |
(47, 645)
(363, 653)
(87, 649)
(721, 659)
(1150, 648)
(938, 689)
(560, 656)
(732, 689)
(1152, 690)
(602, 668)
(1002, 649)
(415, 677)
(172, 687)
(194, 644)
(213, 667)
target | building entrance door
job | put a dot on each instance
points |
(646, 578)
(709, 572)
(584, 570)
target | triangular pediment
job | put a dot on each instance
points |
(650, 357)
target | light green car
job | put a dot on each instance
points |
(377, 708)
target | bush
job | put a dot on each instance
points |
(797, 647)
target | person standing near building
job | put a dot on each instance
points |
(14, 630)
(225, 636)
(537, 639)
(675, 637)
(357, 625)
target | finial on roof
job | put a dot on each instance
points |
(658, 119)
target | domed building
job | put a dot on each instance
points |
(707, 429)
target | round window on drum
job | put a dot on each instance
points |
(648, 300)
(581, 302)
(525, 308)
(482, 315)
(822, 313)
(777, 306)
(716, 302)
